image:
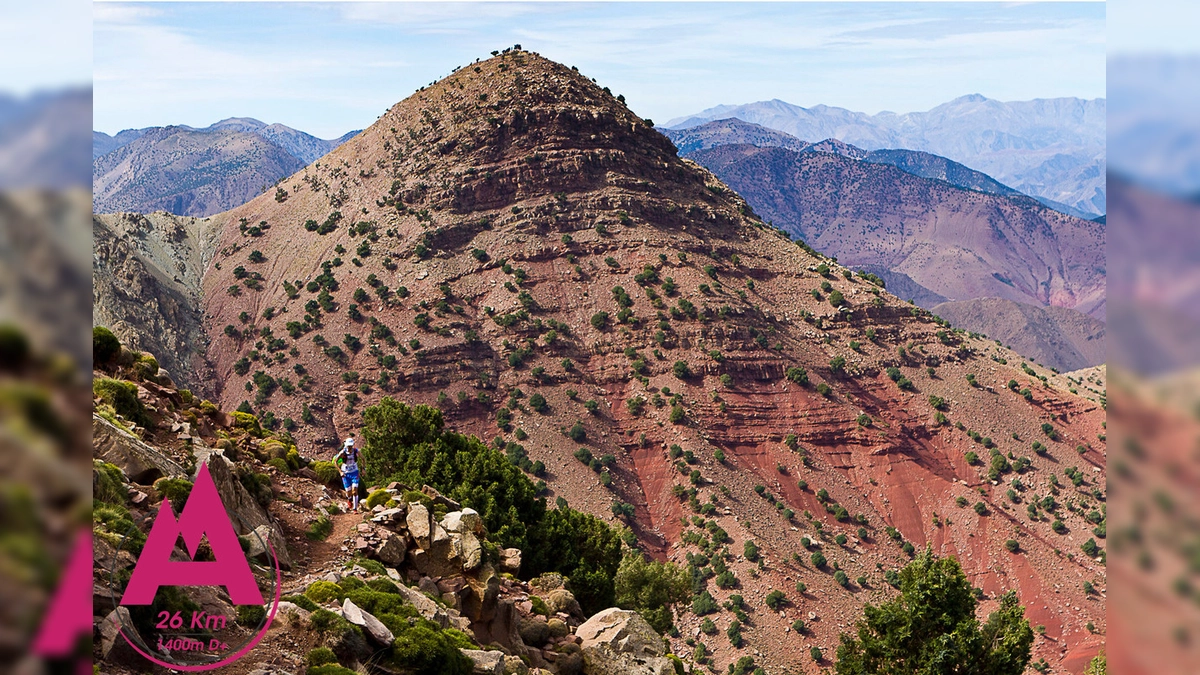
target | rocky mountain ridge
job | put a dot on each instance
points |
(734, 131)
(197, 172)
(960, 245)
(1047, 148)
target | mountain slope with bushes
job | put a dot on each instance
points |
(516, 248)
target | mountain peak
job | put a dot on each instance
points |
(239, 124)
(489, 137)
(971, 98)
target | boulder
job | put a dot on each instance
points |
(485, 662)
(467, 520)
(373, 627)
(392, 551)
(429, 587)
(420, 524)
(390, 517)
(438, 535)
(469, 550)
(286, 608)
(510, 560)
(480, 596)
(503, 628)
(141, 463)
(562, 600)
(618, 641)
(256, 548)
(114, 648)
(431, 610)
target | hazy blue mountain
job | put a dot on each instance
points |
(43, 139)
(1046, 148)
(304, 147)
(102, 143)
(197, 172)
(733, 131)
(188, 172)
(1154, 124)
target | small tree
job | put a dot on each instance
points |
(932, 627)
(750, 550)
(681, 370)
(538, 403)
(775, 600)
(651, 588)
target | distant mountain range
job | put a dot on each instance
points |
(197, 172)
(733, 131)
(1053, 336)
(1051, 149)
(942, 235)
(1154, 126)
(1154, 282)
(43, 139)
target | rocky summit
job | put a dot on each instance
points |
(516, 248)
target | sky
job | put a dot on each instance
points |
(45, 44)
(329, 68)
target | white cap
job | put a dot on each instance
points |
(349, 442)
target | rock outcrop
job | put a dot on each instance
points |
(140, 462)
(620, 642)
(247, 515)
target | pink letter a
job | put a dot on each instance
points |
(204, 515)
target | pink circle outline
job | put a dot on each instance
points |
(241, 652)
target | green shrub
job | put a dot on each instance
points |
(322, 592)
(122, 396)
(750, 551)
(704, 603)
(538, 403)
(175, 489)
(798, 375)
(302, 601)
(776, 600)
(251, 615)
(677, 414)
(651, 588)
(1012, 545)
(734, 633)
(105, 346)
(109, 484)
(319, 529)
(409, 444)
(680, 370)
(378, 498)
(320, 656)
(326, 471)
(423, 649)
